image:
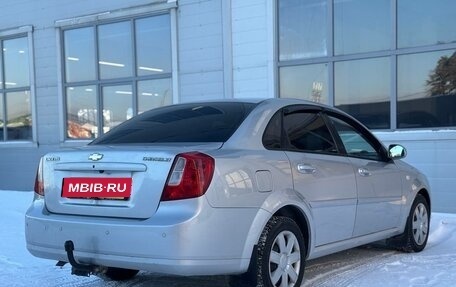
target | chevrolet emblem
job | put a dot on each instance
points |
(95, 156)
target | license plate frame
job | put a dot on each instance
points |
(100, 188)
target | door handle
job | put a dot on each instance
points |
(306, 169)
(364, 172)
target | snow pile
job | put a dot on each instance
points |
(371, 266)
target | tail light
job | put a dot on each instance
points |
(39, 184)
(190, 176)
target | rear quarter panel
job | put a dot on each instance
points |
(247, 178)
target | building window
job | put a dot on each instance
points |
(302, 32)
(361, 26)
(309, 82)
(362, 90)
(426, 90)
(119, 68)
(15, 98)
(389, 63)
(424, 22)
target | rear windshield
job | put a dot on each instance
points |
(196, 122)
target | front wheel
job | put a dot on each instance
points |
(280, 257)
(416, 232)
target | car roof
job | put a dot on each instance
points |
(279, 102)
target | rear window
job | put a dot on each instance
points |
(196, 122)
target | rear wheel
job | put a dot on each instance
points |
(416, 232)
(120, 274)
(280, 257)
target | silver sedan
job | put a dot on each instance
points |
(247, 188)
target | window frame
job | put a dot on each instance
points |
(157, 8)
(393, 53)
(326, 115)
(285, 144)
(9, 34)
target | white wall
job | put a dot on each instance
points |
(434, 153)
(200, 47)
(253, 49)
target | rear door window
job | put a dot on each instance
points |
(299, 129)
(307, 131)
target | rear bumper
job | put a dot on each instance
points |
(186, 237)
(187, 267)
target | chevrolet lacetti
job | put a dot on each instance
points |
(252, 189)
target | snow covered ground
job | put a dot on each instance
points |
(371, 266)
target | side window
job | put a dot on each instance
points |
(307, 131)
(354, 142)
(272, 137)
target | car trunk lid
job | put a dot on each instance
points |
(110, 181)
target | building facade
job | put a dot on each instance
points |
(72, 70)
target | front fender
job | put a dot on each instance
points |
(413, 182)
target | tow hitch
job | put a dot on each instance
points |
(77, 268)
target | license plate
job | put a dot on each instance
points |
(99, 188)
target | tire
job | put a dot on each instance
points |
(416, 233)
(120, 274)
(279, 258)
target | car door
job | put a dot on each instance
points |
(377, 178)
(323, 177)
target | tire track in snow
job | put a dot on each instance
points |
(342, 268)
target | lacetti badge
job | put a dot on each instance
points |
(95, 156)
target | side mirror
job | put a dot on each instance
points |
(396, 151)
